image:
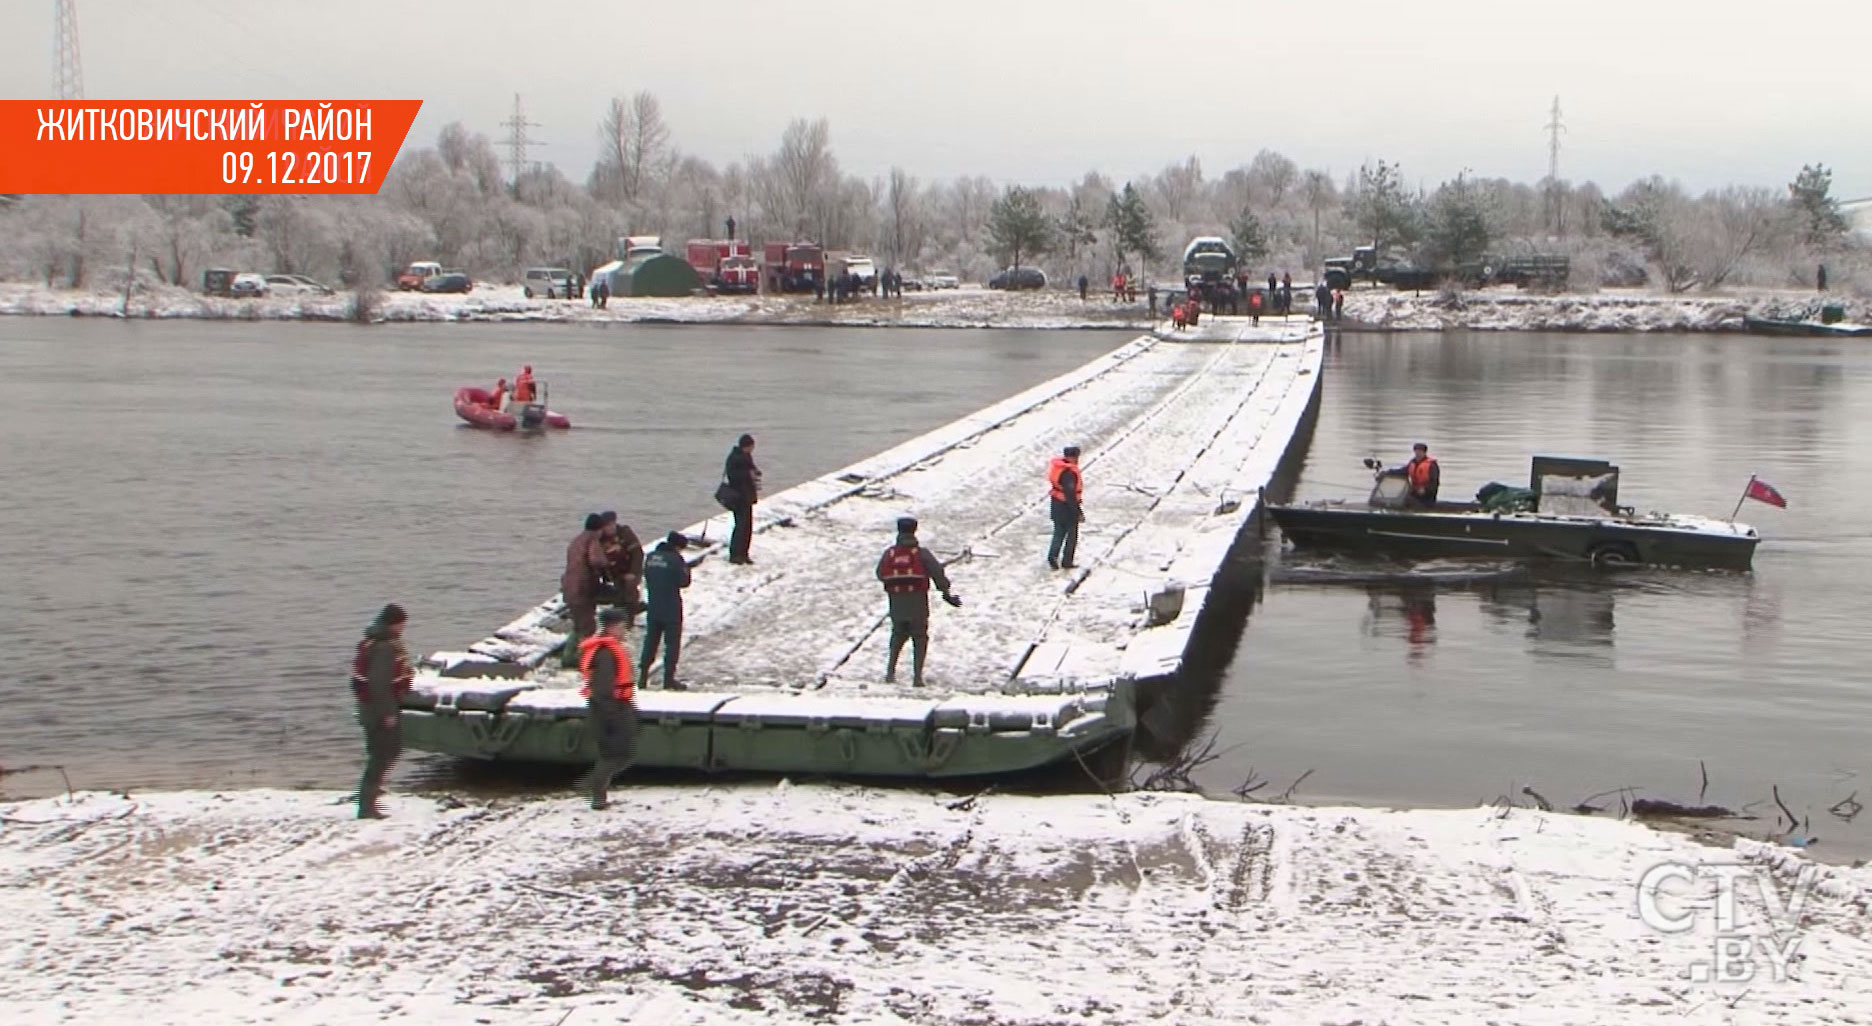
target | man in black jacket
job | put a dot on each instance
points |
(380, 673)
(907, 570)
(743, 477)
(610, 703)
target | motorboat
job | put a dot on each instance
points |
(477, 407)
(1807, 326)
(1569, 511)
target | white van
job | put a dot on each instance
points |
(551, 282)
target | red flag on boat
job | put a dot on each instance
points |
(1762, 491)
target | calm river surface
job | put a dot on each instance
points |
(199, 517)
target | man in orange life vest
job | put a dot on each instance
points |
(500, 393)
(907, 570)
(380, 674)
(610, 703)
(1424, 477)
(1066, 489)
(523, 391)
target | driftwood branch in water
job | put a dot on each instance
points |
(1704, 790)
(1848, 807)
(1658, 809)
(1290, 787)
(1545, 805)
(1791, 820)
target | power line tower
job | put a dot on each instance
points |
(67, 73)
(517, 141)
(1556, 216)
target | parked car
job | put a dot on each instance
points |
(218, 281)
(448, 281)
(416, 274)
(942, 280)
(911, 284)
(1019, 278)
(551, 282)
(296, 284)
(247, 285)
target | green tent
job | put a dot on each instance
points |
(657, 275)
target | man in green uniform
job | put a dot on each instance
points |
(380, 674)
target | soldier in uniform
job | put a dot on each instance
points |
(380, 674)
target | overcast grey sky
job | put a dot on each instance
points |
(1039, 91)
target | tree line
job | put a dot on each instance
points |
(454, 202)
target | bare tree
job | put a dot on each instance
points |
(1179, 186)
(903, 229)
(635, 154)
(805, 175)
(1738, 223)
(1317, 187)
(1274, 175)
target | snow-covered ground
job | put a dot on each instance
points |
(974, 307)
(756, 903)
(1616, 310)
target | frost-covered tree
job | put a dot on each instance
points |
(1077, 228)
(1659, 218)
(1131, 227)
(1456, 229)
(903, 217)
(1273, 175)
(635, 154)
(1822, 224)
(1381, 208)
(1316, 187)
(1017, 226)
(1248, 237)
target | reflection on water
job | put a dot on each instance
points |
(1428, 687)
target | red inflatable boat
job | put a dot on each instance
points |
(476, 406)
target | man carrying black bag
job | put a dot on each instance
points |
(738, 491)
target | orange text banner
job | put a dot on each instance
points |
(205, 146)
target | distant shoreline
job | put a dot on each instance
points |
(1382, 310)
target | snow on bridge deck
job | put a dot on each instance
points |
(1176, 437)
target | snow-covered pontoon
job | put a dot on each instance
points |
(784, 658)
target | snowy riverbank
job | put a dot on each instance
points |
(1377, 309)
(734, 904)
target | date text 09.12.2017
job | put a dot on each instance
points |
(290, 167)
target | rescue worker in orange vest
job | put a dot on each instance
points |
(500, 394)
(1066, 489)
(523, 390)
(610, 703)
(907, 570)
(1424, 477)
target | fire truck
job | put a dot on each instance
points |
(727, 265)
(792, 267)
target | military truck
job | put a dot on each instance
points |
(1209, 260)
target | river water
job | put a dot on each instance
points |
(199, 517)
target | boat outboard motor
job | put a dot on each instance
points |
(532, 416)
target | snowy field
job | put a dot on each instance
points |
(1616, 310)
(756, 903)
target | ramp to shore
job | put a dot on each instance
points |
(1176, 438)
